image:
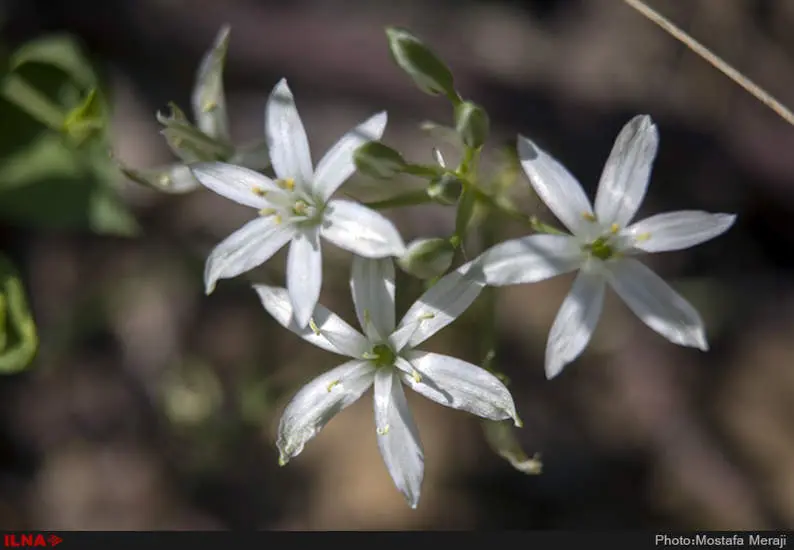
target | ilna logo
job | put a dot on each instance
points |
(24, 540)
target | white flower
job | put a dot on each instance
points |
(385, 356)
(296, 207)
(602, 246)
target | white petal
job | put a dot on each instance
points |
(678, 230)
(561, 192)
(239, 184)
(337, 164)
(304, 273)
(209, 102)
(372, 286)
(361, 230)
(530, 259)
(657, 305)
(286, 138)
(398, 438)
(626, 172)
(442, 303)
(331, 334)
(460, 385)
(575, 322)
(319, 401)
(248, 247)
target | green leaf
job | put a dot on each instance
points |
(19, 340)
(61, 51)
(209, 102)
(502, 439)
(378, 161)
(429, 73)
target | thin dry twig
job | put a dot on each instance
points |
(759, 93)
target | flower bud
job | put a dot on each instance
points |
(471, 122)
(377, 160)
(421, 64)
(446, 189)
(427, 258)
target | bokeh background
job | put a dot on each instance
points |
(153, 406)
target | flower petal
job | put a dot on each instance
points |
(442, 303)
(460, 385)
(678, 230)
(239, 184)
(304, 273)
(561, 192)
(337, 164)
(657, 304)
(398, 438)
(209, 103)
(361, 230)
(372, 286)
(626, 172)
(530, 259)
(319, 401)
(575, 322)
(331, 334)
(248, 247)
(286, 138)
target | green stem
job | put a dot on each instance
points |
(32, 101)
(410, 198)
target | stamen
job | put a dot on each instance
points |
(427, 316)
(259, 191)
(384, 430)
(267, 212)
(367, 318)
(588, 216)
(314, 327)
(416, 376)
(288, 184)
(165, 180)
(642, 237)
(333, 384)
(209, 106)
(614, 228)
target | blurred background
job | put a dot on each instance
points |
(153, 406)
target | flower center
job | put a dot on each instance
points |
(600, 248)
(303, 209)
(382, 356)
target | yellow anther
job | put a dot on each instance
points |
(314, 327)
(333, 384)
(384, 430)
(643, 237)
(267, 212)
(368, 355)
(288, 184)
(367, 318)
(588, 216)
(209, 106)
(165, 179)
(614, 228)
(277, 219)
(427, 316)
(282, 460)
(300, 208)
(416, 376)
(259, 191)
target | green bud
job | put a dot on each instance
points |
(471, 122)
(86, 120)
(427, 258)
(189, 143)
(421, 64)
(377, 160)
(446, 189)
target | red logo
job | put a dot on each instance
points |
(25, 540)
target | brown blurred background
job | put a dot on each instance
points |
(151, 406)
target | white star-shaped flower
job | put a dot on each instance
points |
(603, 245)
(297, 207)
(385, 356)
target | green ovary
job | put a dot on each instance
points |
(383, 356)
(600, 248)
